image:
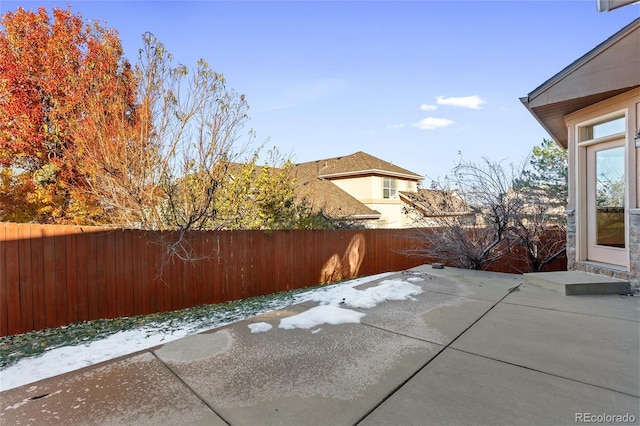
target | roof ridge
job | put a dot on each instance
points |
(359, 161)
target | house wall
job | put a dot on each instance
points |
(368, 190)
(629, 102)
(407, 185)
(361, 187)
(391, 211)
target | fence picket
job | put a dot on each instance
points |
(4, 321)
(38, 278)
(25, 284)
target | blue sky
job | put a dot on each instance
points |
(415, 83)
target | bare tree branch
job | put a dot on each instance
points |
(507, 214)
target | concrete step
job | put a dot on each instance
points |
(577, 282)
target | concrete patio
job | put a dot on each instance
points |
(474, 348)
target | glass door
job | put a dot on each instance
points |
(606, 223)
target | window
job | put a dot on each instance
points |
(389, 188)
(603, 129)
(609, 197)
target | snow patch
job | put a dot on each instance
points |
(323, 314)
(370, 297)
(260, 327)
(332, 299)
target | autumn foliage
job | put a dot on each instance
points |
(48, 65)
(87, 138)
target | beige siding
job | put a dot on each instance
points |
(358, 187)
(391, 213)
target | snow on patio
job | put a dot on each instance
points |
(330, 310)
(332, 300)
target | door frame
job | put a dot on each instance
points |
(596, 252)
(582, 170)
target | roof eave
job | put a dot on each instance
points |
(584, 58)
(553, 100)
(560, 141)
(370, 172)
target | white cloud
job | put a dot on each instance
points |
(427, 107)
(431, 123)
(473, 102)
(395, 126)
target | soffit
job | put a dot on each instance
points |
(612, 68)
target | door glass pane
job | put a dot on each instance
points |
(610, 197)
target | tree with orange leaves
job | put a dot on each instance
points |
(47, 68)
(86, 138)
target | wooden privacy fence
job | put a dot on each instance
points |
(52, 275)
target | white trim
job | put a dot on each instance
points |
(580, 171)
(609, 5)
(365, 216)
(603, 118)
(603, 139)
(416, 178)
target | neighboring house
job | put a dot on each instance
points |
(431, 207)
(592, 108)
(359, 187)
